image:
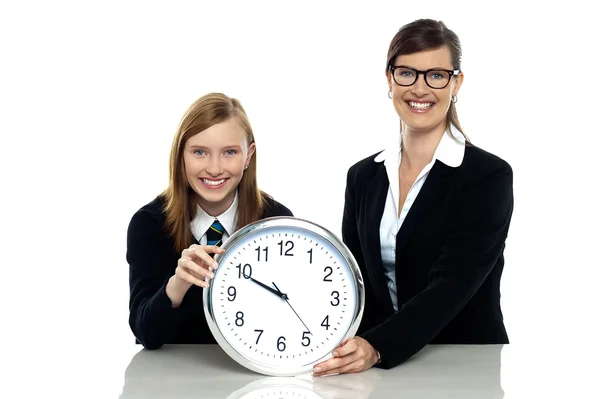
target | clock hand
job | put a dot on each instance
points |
(276, 292)
(284, 296)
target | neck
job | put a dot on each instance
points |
(418, 147)
(215, 208)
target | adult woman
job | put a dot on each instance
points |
(212, 192)
(427, 218)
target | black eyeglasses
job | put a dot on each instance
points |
(436, 78)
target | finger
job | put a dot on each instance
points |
(331, 364)
(201, 254)
(213, 249)
(353, 367)
(188, 252)
(182, 274)
(324, 363)
(192, 266)
(344, 342)
(351, 363)
(349, 347)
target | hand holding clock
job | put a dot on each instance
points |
(192, 269)
(351, 356)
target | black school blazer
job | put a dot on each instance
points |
(449, 255)
(152, 261)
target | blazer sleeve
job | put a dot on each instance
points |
(472, 246)
(350, 238)
(152, 319)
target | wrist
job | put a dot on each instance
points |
(175, 290)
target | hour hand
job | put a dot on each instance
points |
(274, 291)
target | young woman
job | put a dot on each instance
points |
(427, 218)
(212, 193)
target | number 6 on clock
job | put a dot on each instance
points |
(286, 293)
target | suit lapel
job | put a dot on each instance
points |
(375, 197)
(436, 184)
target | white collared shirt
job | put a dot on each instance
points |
(202, 222)
(448, 151)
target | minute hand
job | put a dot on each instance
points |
(276, 292)
(297, 315)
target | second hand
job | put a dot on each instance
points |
(290, 305)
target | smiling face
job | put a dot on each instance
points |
(214, 164)
(420, 107)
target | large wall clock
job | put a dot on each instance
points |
(287, 291)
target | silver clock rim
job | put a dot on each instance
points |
(294, 222)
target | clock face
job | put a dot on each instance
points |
(285, 294)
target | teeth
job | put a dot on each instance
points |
(420, 105)
(213, 182)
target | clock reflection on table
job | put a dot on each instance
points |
(205, 371)
(276, 387)
(355, 386)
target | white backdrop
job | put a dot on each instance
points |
(91, 94)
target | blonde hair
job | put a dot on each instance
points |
(179, 209)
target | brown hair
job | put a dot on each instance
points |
(422, 35)
(179, 209)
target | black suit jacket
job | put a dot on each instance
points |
(449, 255)
(152, 261)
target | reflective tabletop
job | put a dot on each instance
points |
(205, 371)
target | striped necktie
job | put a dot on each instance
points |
(214, 234)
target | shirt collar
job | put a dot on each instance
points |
(450, 150)
(202, 221)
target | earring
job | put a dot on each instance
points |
(390, 94)
(454, 99)
(245, 167)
